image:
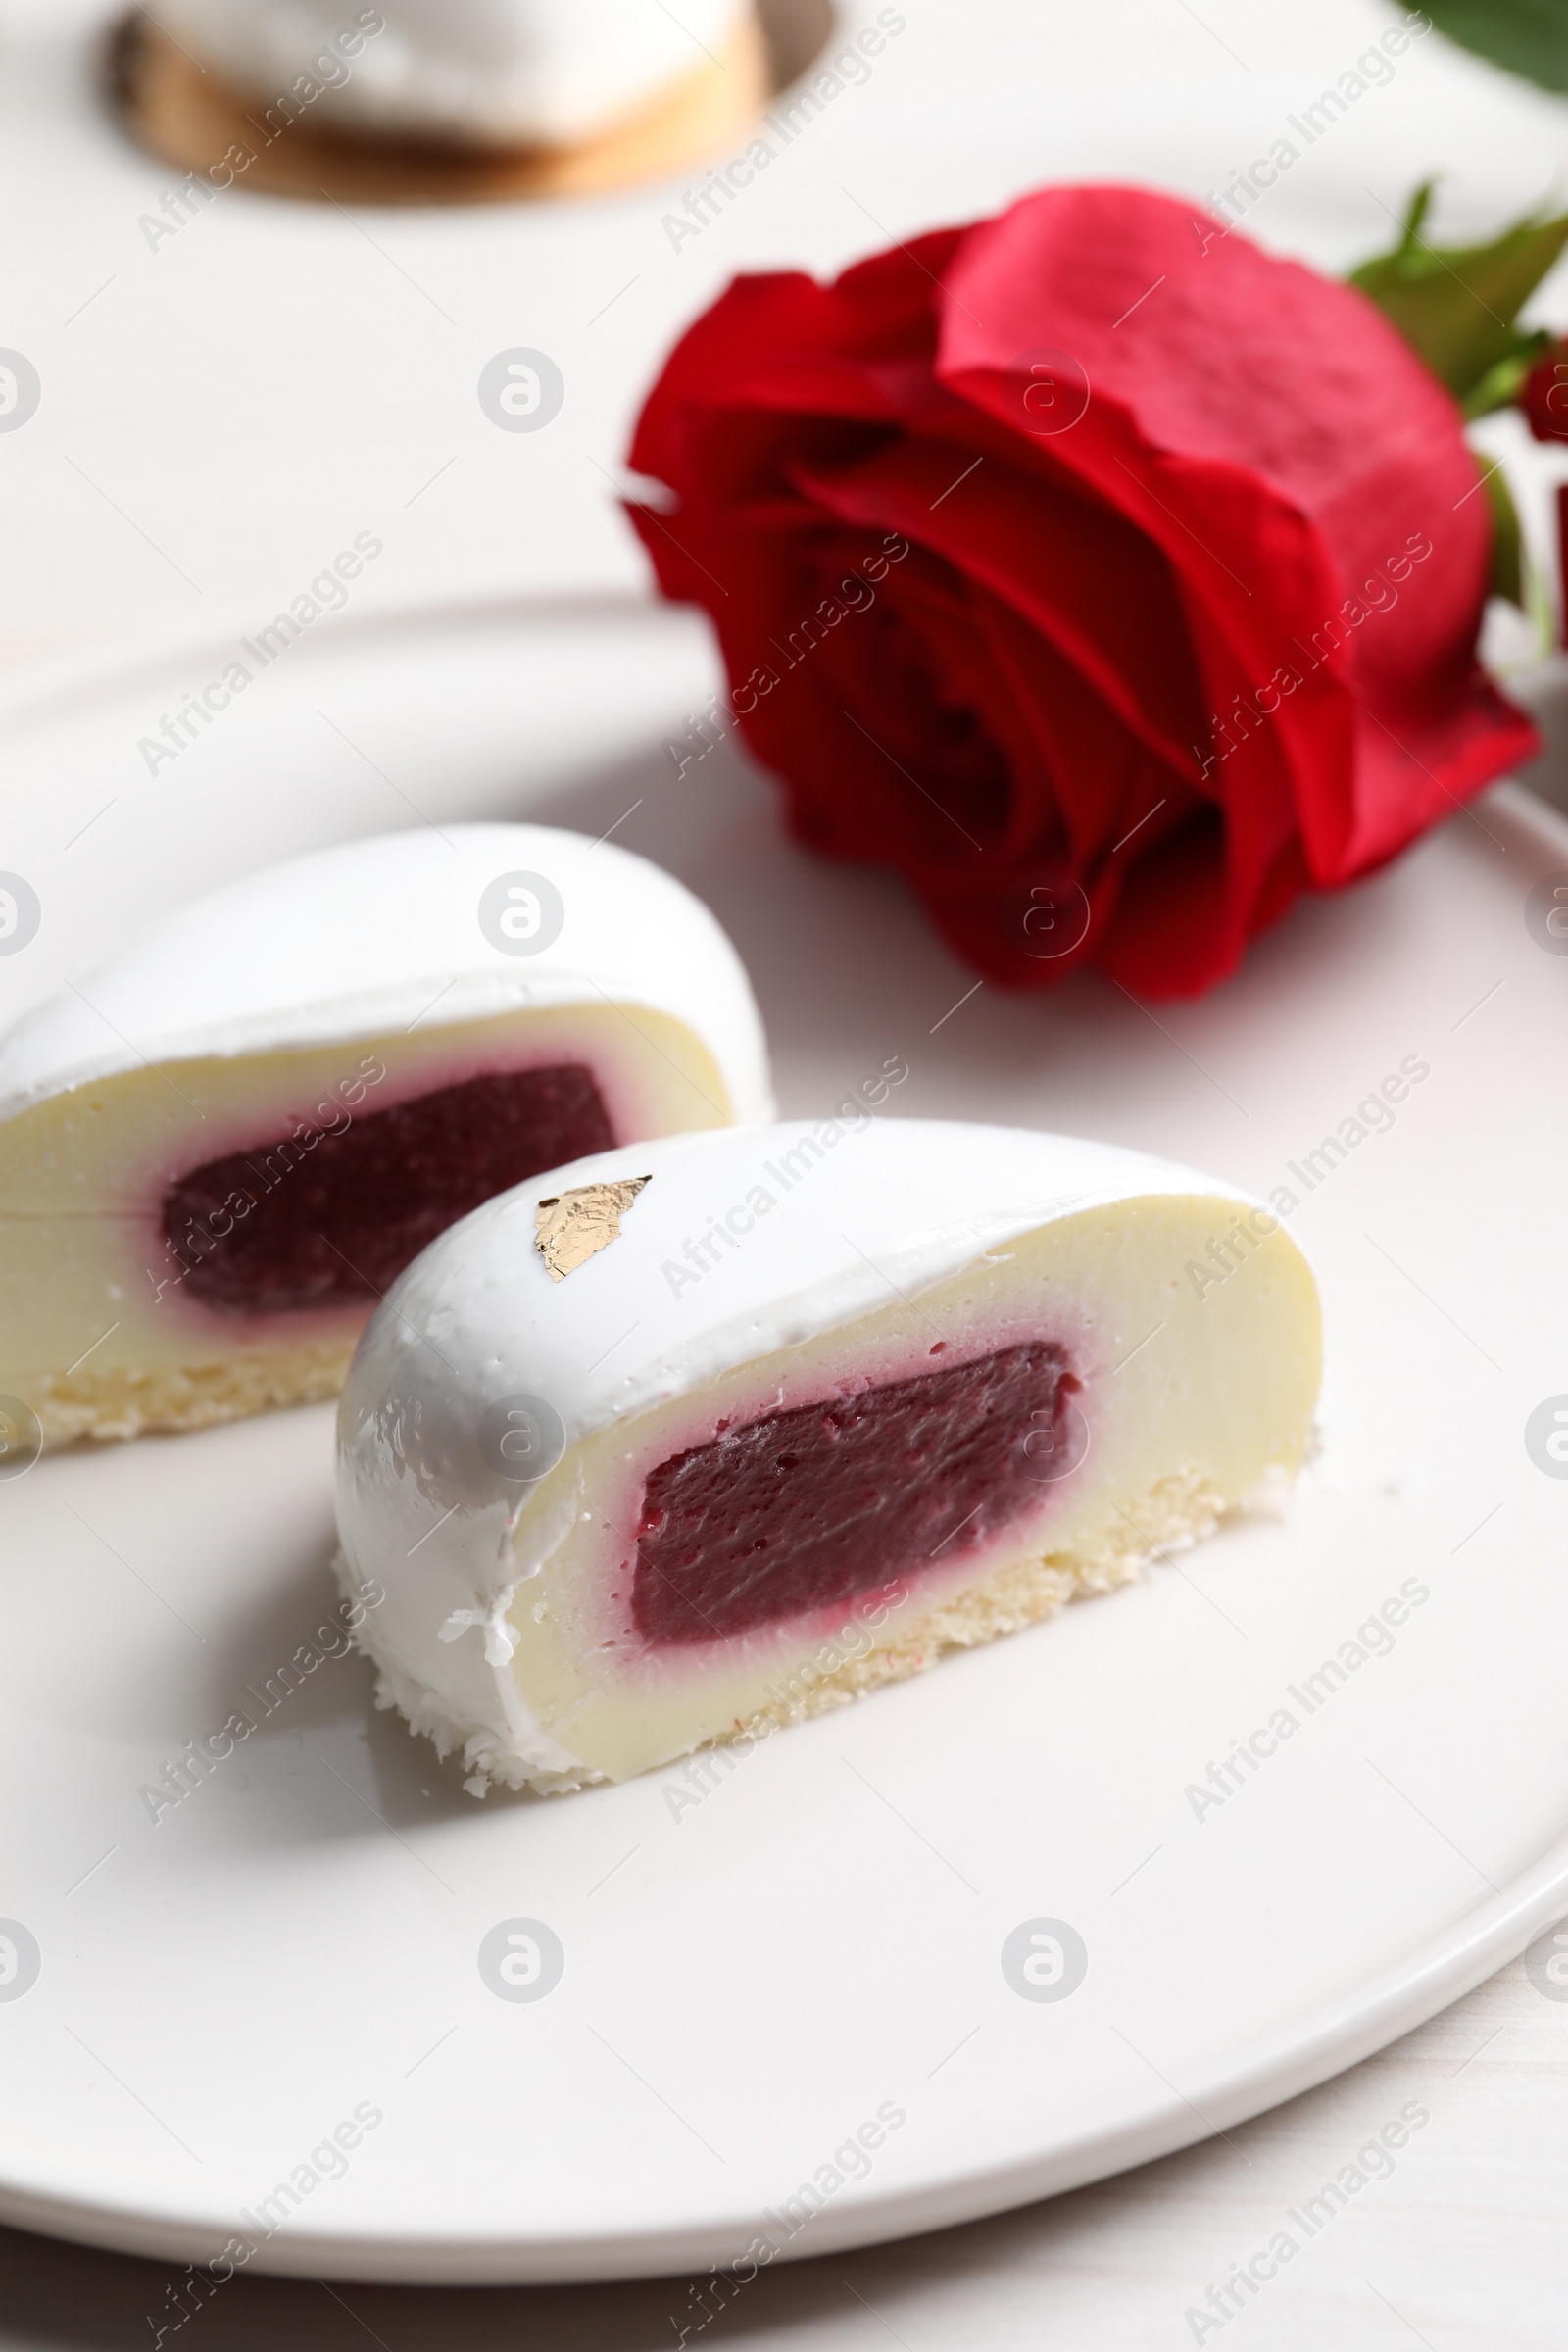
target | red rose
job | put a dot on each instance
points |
(1111, 580)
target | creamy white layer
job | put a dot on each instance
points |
(386, 933)
(760, 1270)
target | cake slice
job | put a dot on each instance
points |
(218, 1151)
(809, 1405)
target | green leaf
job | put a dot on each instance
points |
(1514, 574)
(1456, 305)
(1502, 385)
(1507, 540)
(1527, 36)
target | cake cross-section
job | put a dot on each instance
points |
(221, 1149)
(831, 1400)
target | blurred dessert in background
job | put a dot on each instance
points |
(475, 73)
(421, 100)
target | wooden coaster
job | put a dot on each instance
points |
(186, 115)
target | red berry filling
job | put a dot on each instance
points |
(806, 1508)
(322, 1219)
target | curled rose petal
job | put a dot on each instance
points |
(1089, 560)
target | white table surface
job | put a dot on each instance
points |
(221, 413)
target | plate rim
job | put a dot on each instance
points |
(1392, 2002)
(27, 698)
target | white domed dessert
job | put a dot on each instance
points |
(476, 72)
(809, 1405)
(221, 1149)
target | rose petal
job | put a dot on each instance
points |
(1094, 587)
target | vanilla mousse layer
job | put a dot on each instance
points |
(480, 72)
(219, 1150)
(834, 1399)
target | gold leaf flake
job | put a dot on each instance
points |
(569, 1228)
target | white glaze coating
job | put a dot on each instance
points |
(484, 72)
(893, 1206)
(367, 937)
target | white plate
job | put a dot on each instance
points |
(751, 1979)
